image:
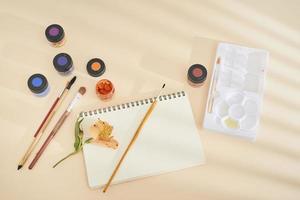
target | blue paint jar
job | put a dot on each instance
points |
(38, 84)
(63, 63)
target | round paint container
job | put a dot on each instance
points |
(221, 108)
(236, 112)
(95, 67)
(236, 98)
(38, 84)
(55, 34)
(63, 63)
(197, 75)
(249, 123)
(251, 107)
(105, 89)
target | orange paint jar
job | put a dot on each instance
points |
(95, 67)
(105, 89)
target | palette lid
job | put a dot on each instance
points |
(236, 90)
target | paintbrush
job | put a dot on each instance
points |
(136, 134)
(45, 122)
(57, 126)
(214, 86)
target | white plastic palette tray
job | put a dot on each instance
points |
(236, 90)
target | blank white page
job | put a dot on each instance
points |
(169, 140)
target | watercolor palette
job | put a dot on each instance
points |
(236, 90)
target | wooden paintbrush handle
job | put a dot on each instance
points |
(47, 118)
(29, 151)
(136, 134)
(61, 98)
(49, 138)
(143, 122)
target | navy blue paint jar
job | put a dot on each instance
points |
(38, 84)
(63, 63)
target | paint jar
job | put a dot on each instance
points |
(105, 89)
(55, 35)
(38, 84)
(63, 63)
(196, 75)
(95, 67)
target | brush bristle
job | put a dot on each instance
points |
(82, 90)
(71, 82)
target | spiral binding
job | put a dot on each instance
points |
(132, 104)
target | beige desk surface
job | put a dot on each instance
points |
(135, 39)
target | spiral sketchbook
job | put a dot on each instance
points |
(169, 140)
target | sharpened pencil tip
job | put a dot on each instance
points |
(164, 85)
(20, 166)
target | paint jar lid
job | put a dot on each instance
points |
(197, 73)
(63, 62)
(95, 67)
(37, 83)
(54, 33)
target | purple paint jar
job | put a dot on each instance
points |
(55, 35)
(63, 63)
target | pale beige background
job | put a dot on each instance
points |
(131, 37)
